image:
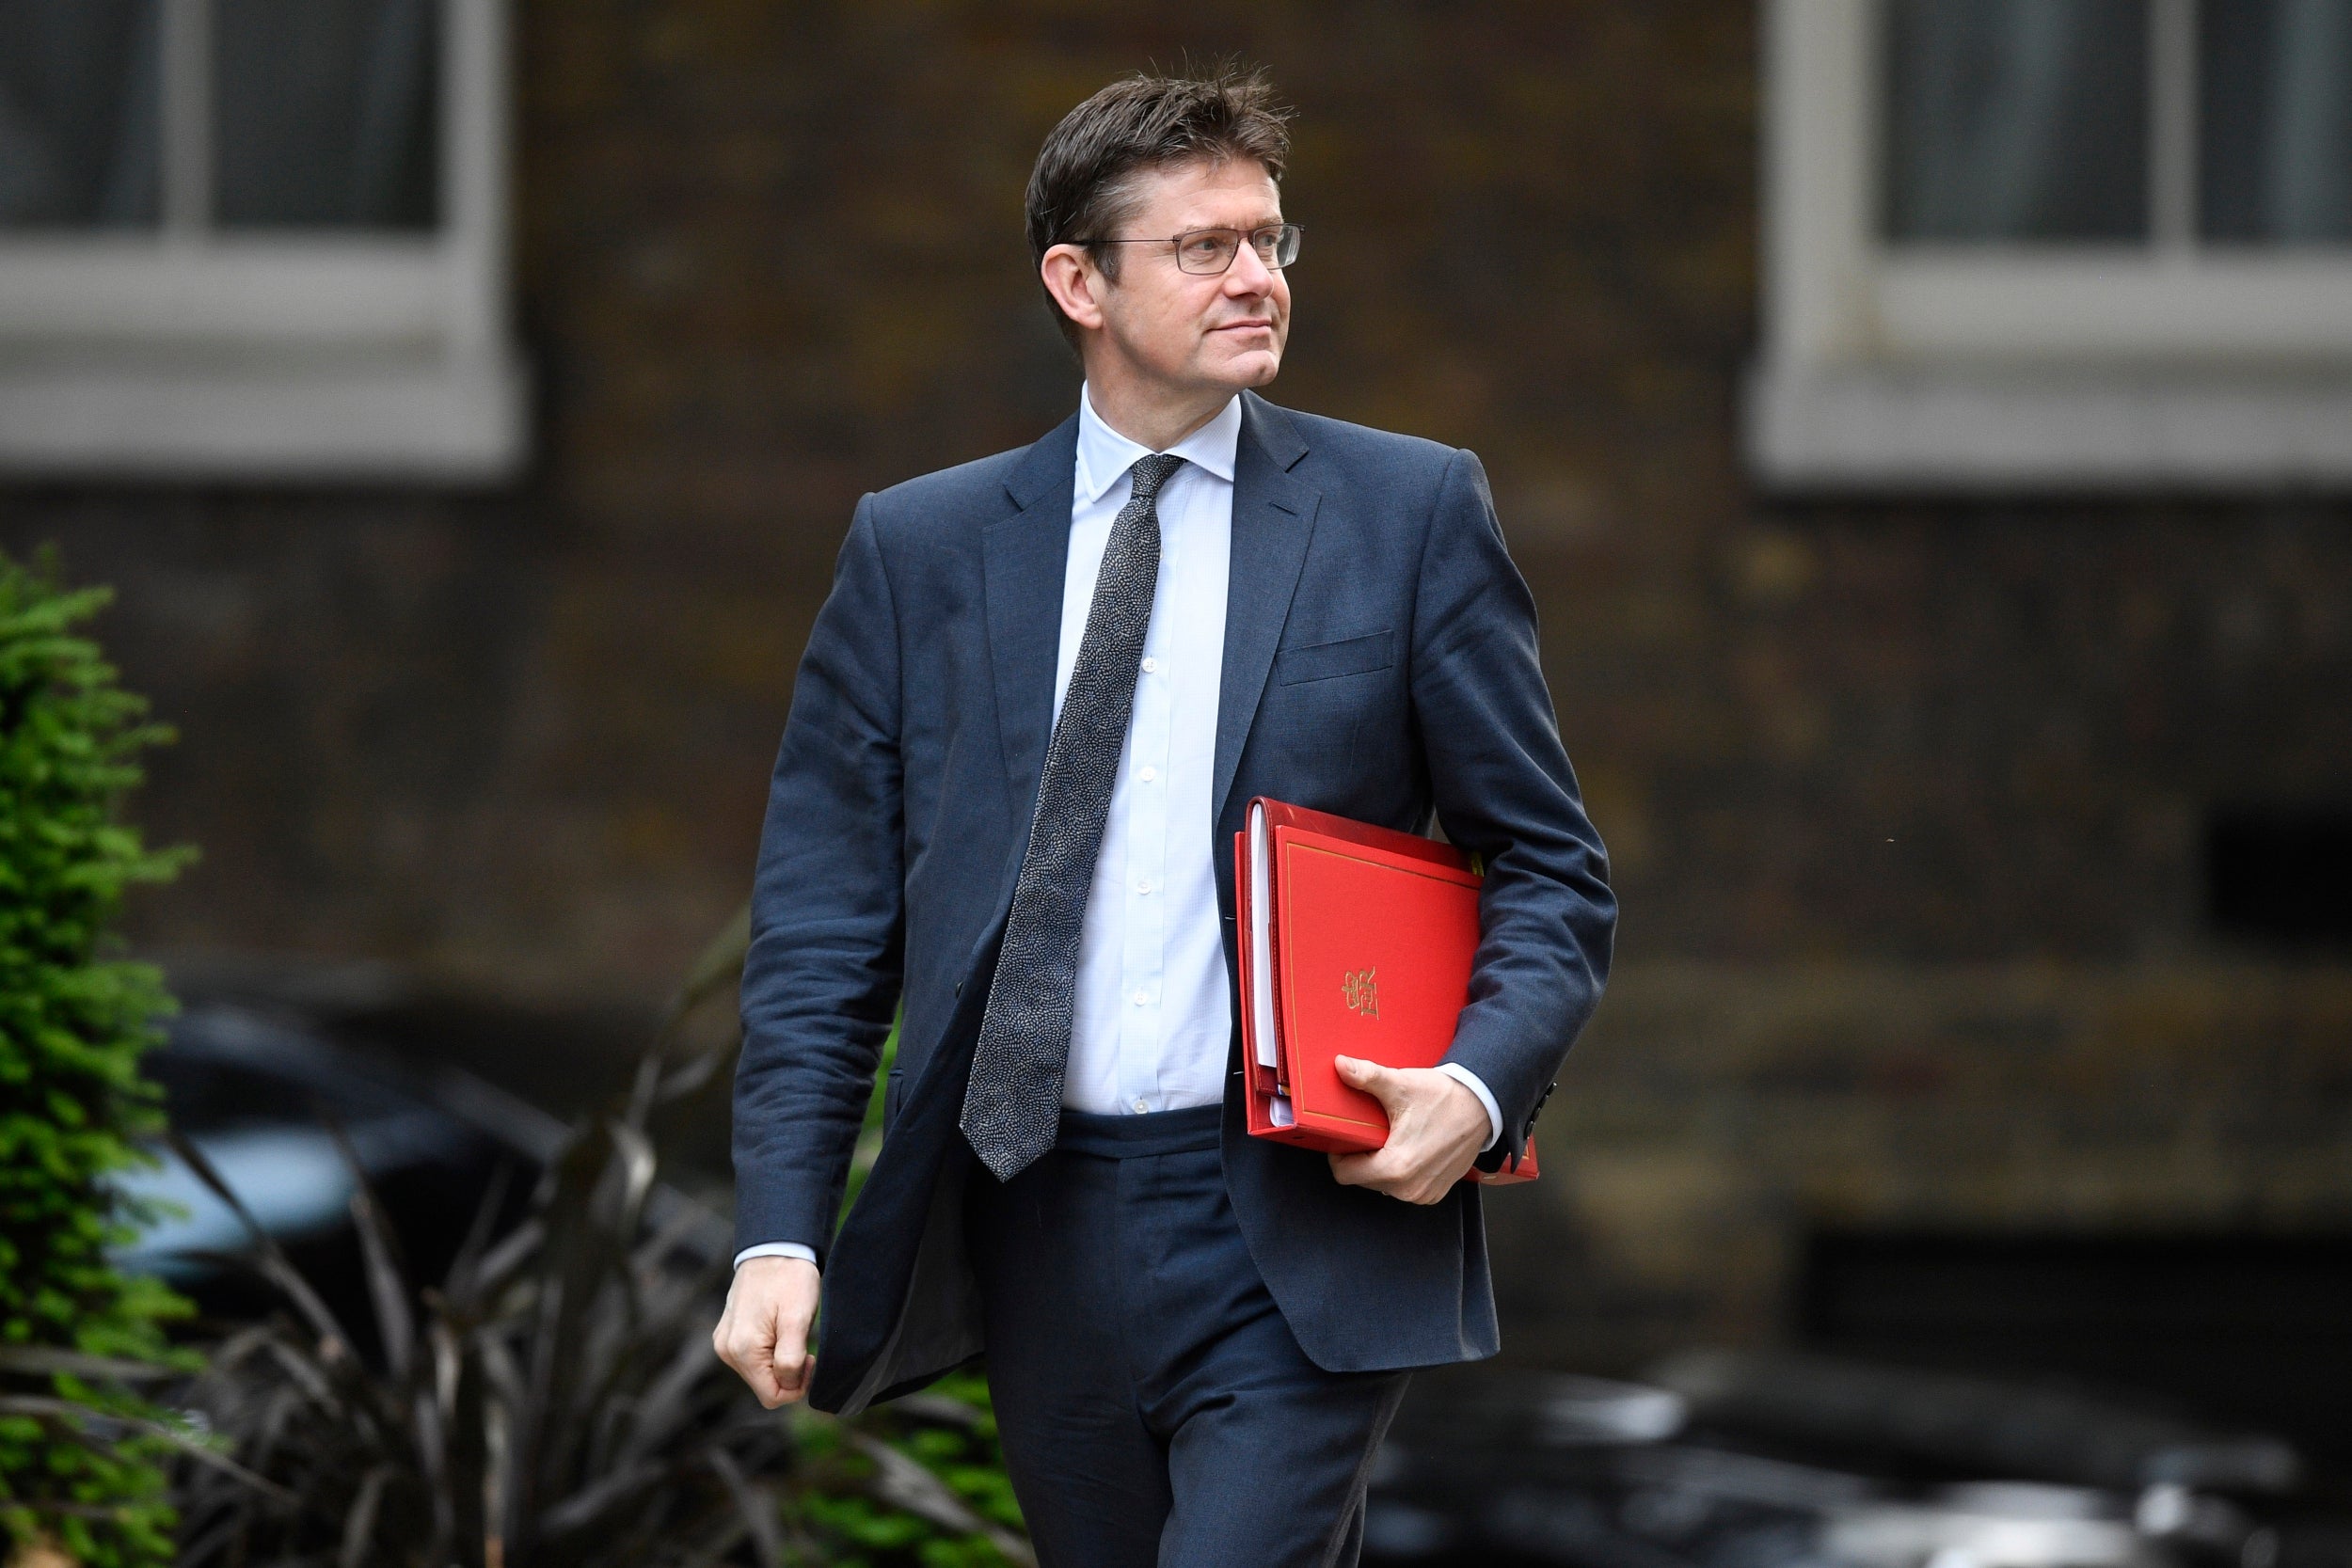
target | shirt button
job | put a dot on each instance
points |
(1150, 665)
(1148, 774)
(1143, 884)
(1142, 1106)
(1143, 998)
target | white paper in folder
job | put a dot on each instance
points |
(1261, 940)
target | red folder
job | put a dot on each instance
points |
(1356, 940)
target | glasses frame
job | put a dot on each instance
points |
(1296, 230)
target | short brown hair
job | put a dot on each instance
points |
(1084, 185)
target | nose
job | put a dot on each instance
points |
(1249, 275)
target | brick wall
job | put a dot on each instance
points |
(1904, 797)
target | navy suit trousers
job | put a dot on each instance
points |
(1155, 1407)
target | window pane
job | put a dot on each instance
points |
(77, 113)
(325, 112)
(2276, 120)
(2017, 120)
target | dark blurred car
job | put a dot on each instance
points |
(1731, 1460)
(291, 1119)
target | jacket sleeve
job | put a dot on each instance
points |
(822, 977)
(1504, 791)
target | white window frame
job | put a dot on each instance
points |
(185, 353)
(2162, 366)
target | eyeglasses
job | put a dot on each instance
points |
(1212, 250)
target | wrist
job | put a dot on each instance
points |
(1465, 1114)
(1476, 1087)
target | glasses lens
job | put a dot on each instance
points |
(1279, 246)
(1207, 249)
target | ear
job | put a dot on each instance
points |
(1075, 283)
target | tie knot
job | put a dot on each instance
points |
(1154, 471)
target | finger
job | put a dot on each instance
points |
(1428, 1188)
(751, 1362)
(796, 1388)
(732, 1343)
(762, 1380)
(743, 1346)
(1429, 1182)
(1390, 1170)
(1370, 1171)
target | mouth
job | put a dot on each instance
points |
(1246, 326)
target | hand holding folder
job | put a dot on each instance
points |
(1357, 940)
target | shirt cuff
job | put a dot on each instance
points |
(776, 1249)
(1470, 1081)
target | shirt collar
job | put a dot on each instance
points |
(1105, 454)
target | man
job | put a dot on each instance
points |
(1030, 720)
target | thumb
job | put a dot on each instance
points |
(1371, 1077)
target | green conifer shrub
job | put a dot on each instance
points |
(79, 1450)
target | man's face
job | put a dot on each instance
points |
(1193, 331)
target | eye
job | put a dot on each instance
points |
(1206, 246)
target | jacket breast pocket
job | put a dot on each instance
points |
(1323, 662)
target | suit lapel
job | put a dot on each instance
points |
(1274, 517)
(1024, 557)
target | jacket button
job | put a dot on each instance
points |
(959, 988)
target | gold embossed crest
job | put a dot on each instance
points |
(1359, 989)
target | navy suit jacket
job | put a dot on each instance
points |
(1380, 662)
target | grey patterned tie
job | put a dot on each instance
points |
(1012, 1104)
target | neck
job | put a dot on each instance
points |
(1153, 417)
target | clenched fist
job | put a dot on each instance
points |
(764, 1332)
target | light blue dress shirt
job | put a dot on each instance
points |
(1153, 1018)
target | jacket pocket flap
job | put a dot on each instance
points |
(1323, 662)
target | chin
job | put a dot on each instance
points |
(1253, 368)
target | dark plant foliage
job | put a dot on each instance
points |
(554, 1401)
(79, 1449)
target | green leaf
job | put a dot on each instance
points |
(81, 1455)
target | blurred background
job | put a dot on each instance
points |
(1925, 426)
